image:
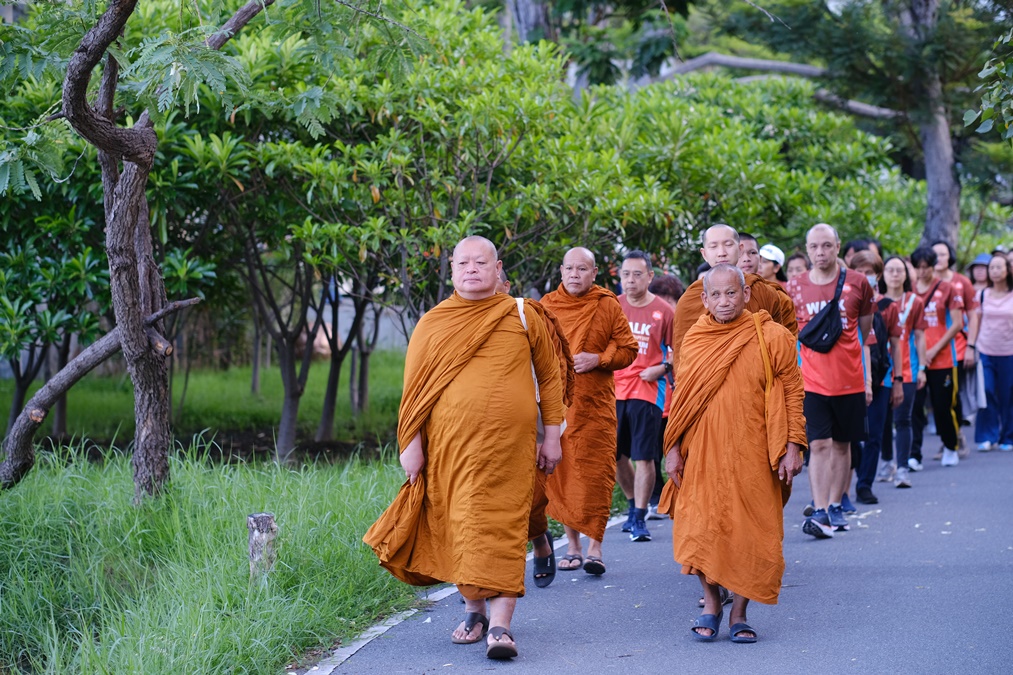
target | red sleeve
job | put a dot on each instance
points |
(955, 301)
(865, 307)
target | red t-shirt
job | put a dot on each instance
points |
(652, 327)
(911, 317)
(841, 370)
(964, 289)
(942, 308)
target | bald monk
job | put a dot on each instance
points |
(466, 428)
(721, 245)
(580, 489)
(736, 432)
(538, 523)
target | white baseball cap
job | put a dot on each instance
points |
(771, 252)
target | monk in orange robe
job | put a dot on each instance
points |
(721, 245)
(735, 435)
(466, 428)
(538, 523)
(580, 489)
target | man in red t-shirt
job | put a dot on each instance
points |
(838, 385)
(944, 310)
(946, 261)
(641, 390)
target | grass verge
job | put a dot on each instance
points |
(91, 584)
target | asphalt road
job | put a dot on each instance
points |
(923, 583)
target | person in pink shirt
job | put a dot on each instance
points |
(992, 342)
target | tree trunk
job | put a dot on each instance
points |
(59, 429)
(17, 402)
(18, 446)
(255, 369)
(325, 431)
(363, 382)
(353, 381)
(135, 280)
(285, 443)
(531, 18)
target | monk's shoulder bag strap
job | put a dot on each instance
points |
(534, 378)
(824, 329)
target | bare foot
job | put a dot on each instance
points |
(475, 634)
(571, 561)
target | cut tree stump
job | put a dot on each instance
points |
(263, 530)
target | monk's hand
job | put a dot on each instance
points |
(585, 362)
(413, 459)
(549, 455)
(674, 463)
(791, 464)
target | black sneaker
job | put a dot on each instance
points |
(818, 525)
(808, 509)
(865, 496)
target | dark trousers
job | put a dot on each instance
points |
(871, 447)
(902, 421)
(995, 422)
(941, 389)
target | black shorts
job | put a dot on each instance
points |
(841, 418)
(637, 433)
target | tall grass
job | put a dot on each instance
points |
(91, 584)
(101, 407)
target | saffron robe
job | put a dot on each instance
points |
(538, 523)
(468, 390)
(580, 489)
(764, 294)
(728, 513)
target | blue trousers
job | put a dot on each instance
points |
(870, 450)
(994, 423)
(902, 422)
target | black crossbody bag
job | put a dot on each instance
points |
(823, 330)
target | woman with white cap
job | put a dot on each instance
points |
(771, 264)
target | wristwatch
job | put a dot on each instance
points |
(898, 378)
(668, 366)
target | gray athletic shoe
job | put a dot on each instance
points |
(902, 479)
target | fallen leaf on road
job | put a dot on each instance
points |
(429, 620)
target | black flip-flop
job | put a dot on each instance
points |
(546, 567)
(570, 557)
(737, 628)
(498, 650)
(594, 565)
(472, 619)
(711, 621)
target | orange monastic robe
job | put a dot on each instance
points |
(765, 294)
(728, 514)
(580, 489)
(468, 390)
(537, 522)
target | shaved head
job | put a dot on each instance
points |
(579, 253)
(478, 240)
(719, 229)
(723, 272)
(725, 292)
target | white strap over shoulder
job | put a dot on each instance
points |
(524, 322)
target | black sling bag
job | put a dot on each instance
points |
(823, 330)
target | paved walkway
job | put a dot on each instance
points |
(923, 583)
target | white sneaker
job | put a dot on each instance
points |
(902, 480)
(1006, 447)
(914, 464)
(950, 457)
(652, 513)
(984, 447)
(886, 472)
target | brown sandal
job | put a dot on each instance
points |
(499, 650)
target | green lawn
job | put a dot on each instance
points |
(91, 584)
(102, 407)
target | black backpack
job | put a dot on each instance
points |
(879, 353)
(823, 329)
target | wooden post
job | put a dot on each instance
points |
(263, 530)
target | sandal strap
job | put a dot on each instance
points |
(472, 619)
(498, 632)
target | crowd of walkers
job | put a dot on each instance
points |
(516, 410)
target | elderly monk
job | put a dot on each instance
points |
(466, 428)
(721, 245)
(580, 489)
(735, 433)
(538, 523)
